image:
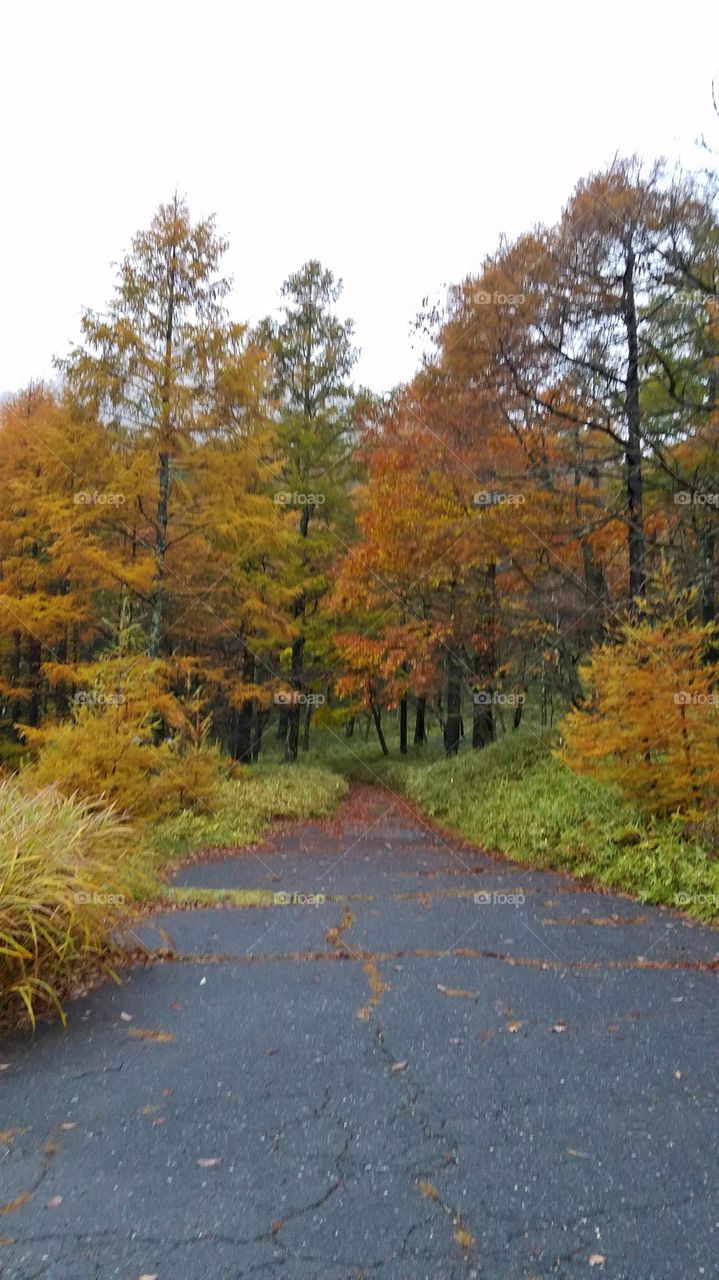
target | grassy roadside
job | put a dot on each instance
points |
(240, 814)
(515, 798)
(242, 810)
(71, 872)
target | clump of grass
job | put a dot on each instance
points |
(242, 809)
(62, 891)
(515, 797)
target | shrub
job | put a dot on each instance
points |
(62, 890)
(650, 724)
(131, 741)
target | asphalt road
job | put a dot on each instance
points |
(450, 1067)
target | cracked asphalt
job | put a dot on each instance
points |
(451, 1067)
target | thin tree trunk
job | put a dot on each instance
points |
(242, 749)
(306, 728)
(403, 727)
(633, 453)
(158, 594)
(258, 733)
(378, 726)
(420, 732)
(485, 670)
(350, 727)
(295, 710)
(453, 727)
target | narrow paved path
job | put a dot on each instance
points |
(450, 1067)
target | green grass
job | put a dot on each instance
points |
(516, 798)
(241, 810)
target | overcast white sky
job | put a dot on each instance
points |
(395, 141)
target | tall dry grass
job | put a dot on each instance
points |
(62, 892)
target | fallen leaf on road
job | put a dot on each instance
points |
(7, 1135)
(429, 1191)
(456, 991)
(398, 1066)
(17, 1203)
(150, 1109)
(175, 1005)
(54, 1202)
(463, 1237)
(677, 1075)
(126, 1017)
(167, 1093)
(559, 1027)
(210, 1162)
(7, 1240)
(583, 1155)
(513, 1027)
(142, 1033)
(596, 1259)
(146, 1277)
(69, 1124)
(4, 1066)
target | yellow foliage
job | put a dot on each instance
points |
(129, 740)
(650, 724)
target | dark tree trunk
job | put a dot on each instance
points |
(163, 473)
(306, 728)
(282, 723)
(295, 710)
(158, 594)
(350, 727)
(485, 669)
(15, 671)
(453, 726)
(633, 453)
(378, 726)
(483, 727)
(258, 732)
(403, 727)
(420, 732)
(242, 748)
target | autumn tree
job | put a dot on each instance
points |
(650, 719)
(151, 368)
(312, 359)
